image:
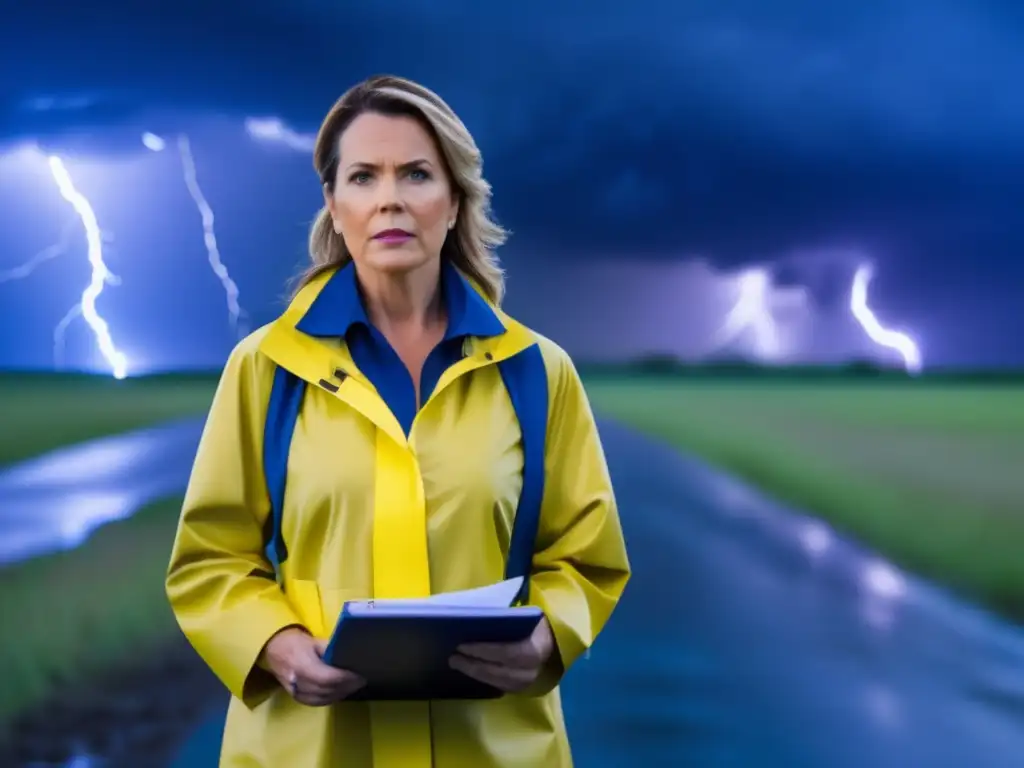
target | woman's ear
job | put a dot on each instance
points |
(331, 205)
(454, 215)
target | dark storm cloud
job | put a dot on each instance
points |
(740, 129)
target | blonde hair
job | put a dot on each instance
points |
(470, 246)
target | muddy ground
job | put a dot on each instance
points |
(135, 716)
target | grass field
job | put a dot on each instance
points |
(76, 613)
(931, 475)
(41, 412)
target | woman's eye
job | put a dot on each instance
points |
(359, 177)
(418, 174)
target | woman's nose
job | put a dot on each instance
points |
(388, 193)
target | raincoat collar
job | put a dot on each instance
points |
(338, 306)
(294, 341)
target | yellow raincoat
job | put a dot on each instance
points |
(373, 512)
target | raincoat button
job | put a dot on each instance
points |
(488, 355)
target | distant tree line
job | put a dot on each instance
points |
(667, 365)
(649, 365)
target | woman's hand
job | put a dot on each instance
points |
(295, 659)
(509, 667)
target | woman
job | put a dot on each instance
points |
(385, 400)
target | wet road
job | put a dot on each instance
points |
(753, 637)
(750, 637)
(55, 501)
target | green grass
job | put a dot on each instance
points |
(931, 475)
(72, 614)
(41, 412)
(928, 474)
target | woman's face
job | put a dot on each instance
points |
(392, 200)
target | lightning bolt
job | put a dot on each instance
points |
(25, 270)
(58, 334)
(101, 275)
(754, 312)
(751, 312)
(60, 330)
(880, 335)
(235, 312)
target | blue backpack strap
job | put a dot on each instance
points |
(282, 414)
(526, 379)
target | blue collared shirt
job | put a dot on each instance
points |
(338, 311)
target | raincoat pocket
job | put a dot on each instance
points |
(318, 607)
(304, 597)
(332, 599)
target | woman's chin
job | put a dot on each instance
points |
(396, 260)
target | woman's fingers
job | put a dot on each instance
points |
(530, 653)
(323, 676)
(317, 695)
(315, 683)
(522, 655)
(504, 678)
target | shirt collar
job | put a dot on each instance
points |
(339, 306)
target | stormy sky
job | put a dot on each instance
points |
(644, 154)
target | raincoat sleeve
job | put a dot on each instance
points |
(580, 566)
(220, 584)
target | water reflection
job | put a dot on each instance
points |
(56, 501)
(816, 538)
(749, 636)
(813, 651)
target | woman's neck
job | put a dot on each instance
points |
(404, 303)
